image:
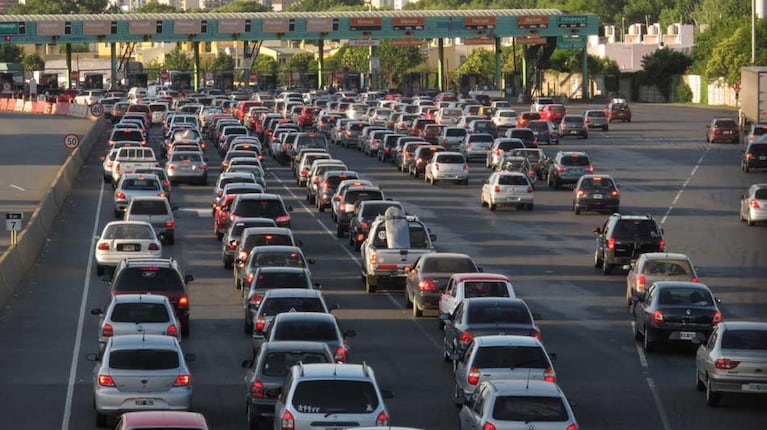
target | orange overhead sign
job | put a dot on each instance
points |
(365, 24)
(416, 23)
(479, 22)
(533, 21)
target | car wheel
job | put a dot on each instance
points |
(254, 422)
(712, 397)
(228, 264)
(597, 260)
(699, 385)
(647, 345)
(744, 168)
(248, 325)
(433, 181)
(339, 231)
(749, 221)
(417, 313)
(607, 268)
(605, 128)
(320, 207)
(445, 353)
(219, 236)
(369, 287)
(492, 206)
(576, 209)
(465, 182)
(99, 269)
(101, 420)
(708, 140)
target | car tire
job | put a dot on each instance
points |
(99, 270)
(465, 182)
(607, 268)
(712, 397)
(699, 385)
(576, 209)
(369, 287)
(744, 167)
(339, 231)
(417, 313)
(228, 264)
(118, 213)
(320, 208)
(408, 302)
(605, 128)
(492, 206)
(445, 354)
(433, 181)
(247, 326)
(170, 239)
(101, 420)
(647, 345)
(219, 236)
(597, 260)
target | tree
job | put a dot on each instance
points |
(243, 6)
(661, 66)
(33, 62)
(265, 64)
(11, 53)
(396, 60)
(326, 5)
(302, 62)
(355, 59)
(729, 55)
(177, 59)
(222, 62)
(480, 62)
(50, 7)
(154, 7)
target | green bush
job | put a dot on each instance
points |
(682, 93)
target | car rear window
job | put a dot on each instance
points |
(727, 123)
(278, 259)
(667, 268)
(574, 119)
(268, 280)
(319, 331)
(510, 357)
(140, 184)
(333, 181)
(278, 305)
(267, 239)
(629, 229)
(745, 339)
(356, 196)
(449, 265)
(596, 114)
(512, 180)
(455, 132)
(143, 359)
(761, 194)
(525, 135)
(533, 156)
(187, 157)
(577, 161)
(140, 313)
(314, 141)
(685, 297)
(148, 207)
(510, 144)
(357, 126)
(349, 397)
(493, 312)
(278, 363)
(485, 289)
(530, 409)
(758, 149)
(129, 231)
(597, 184)
(376, 209)
(450, 159)
(259, 208)
(132, 135)
(148, 279)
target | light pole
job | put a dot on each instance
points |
(369, 4)
(753, 32)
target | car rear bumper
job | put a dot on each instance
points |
(674, 332)
(114, 258)
(758, 214)
(597, 204)
(451, 176)
(511, 199)
(113, 402)
(740, 384)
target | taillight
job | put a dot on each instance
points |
(488, 426)
(260, 323)
(465, 166)
(717, 317)
(611, 243)
(580, 193)
(282, 219)
(286, 421)
(255, 299)
(754, 204)
(243, 255)
(560, 169)
(641, 281)
(257, 390)
(304, 172)
(382, 419)
(498, 152)
(250, 277)
(107, 330)
(497, 189)
(426, 285)
(614, 193)
(548, 375)
(165, 184)
(219, 193)
(748, 154)
(172, 330)
(110, 164)
(537, 335)
(657, 316)
(444, 142)
(120, 195)
(153, 247)
(106, 381)
(466, 337)
(103, 246)
(529, 189)
(694, 279)
(169, 223)
(183, 302)
(473, 377)
(662, 244)
(726, 363)
(572, 427)
(182, 381)
(340, 355)
(590, 169)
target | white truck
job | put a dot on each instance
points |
(396, 240)
(130, 158)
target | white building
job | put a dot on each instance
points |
(627, 50)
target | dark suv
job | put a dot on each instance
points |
(755, 156)
(155, 276)
(623, 238)
(597, 193)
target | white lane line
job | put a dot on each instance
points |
(353, 257)
(17, 187)
(659, 405)
(684, 185)
(81, 318)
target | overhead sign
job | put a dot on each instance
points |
(530, 40)
(479, 22)
(573, 21)
(479, 40)
(97, 28)
(407, 42)
(405, 24)
(276, 26)
(319, 25)
(9, 28)
(13, 221)
(533, 22)
(71, 141)
(142, 27)
(571, 42)
(365, 42)
(370, 24)
(187, 27)
(231, 26)
(50, 28)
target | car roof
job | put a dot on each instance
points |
(295, 345)
(150, 198)
(276, 248)
(333, 370)
(664, 256)
(744, 325)
(139, 298)
(267, 230)
(139, 341)
(282, 269)
(258, 196)
(497, 300)
(679, 284)
(227, 175)
(304, 316)
(506, 340)
(176, 419)
(292, 292)
(480, 276)
(362, 188)
(526, 388)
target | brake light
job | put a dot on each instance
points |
(754, 204)
(282, 219)
(364, 226)
(165, 184)
(304, 172)
(182, 381)
(426, 285)
(726, 363)
(497, 189)
(255, 299)
(529, 189)
(153, 247)
(286, 421)
(572, 427)
(170, 223)
(106, 381)
(103, 246)
(373, 259)
(473, 377)
(120, 195)
(436, 166)
(466, 337)
(548, 375)
(107, 330)
(468, 145)
(250, 277)
(657, 317)
(243, 255)
(580, 193)
(614, 193)
(110, 163)
(694, 279)
(465, 166)
(444, 142)
(560, 169)
(717, 317)
(257, 390)
(260, 323)
(641, 282)
(183, 302)
(749, 155)
(342, 208)
(382, 419)
(611, 243)
(172, 330)
(537, 335)
(340, 355)
(662, 244)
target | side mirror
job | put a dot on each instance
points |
(444, 317)
(433, 237)
(97, 312)
(190, 357)
(311, 261)
(92, 356)
(99, 237)
(299, 243)
(334, 306)
(387, 394)
(597, 230)
(290, 208)
(717, 299)
(317, 285)
(188, 278)
(553, 356)
(246, 364)
(536, 316)
(350, 333)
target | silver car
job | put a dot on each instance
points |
(268, 278)
(596, 119)
(132, 185)
(476, 145)
(753, 206)
(447, 166)
(657, 266)
(311, 326)
(156, 211)
(137, 314)
(140, 372)
(507, 189)
(733, 360)
(125, 239)
(187, 166)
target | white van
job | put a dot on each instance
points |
(136, 93)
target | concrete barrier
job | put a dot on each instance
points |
(17, 260)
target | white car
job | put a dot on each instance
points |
(447, 166)
(125, 239)
(507, 189)
(467, 285)
(137, 314)
(753, 206)
(505, 118)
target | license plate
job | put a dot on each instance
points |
(130, 248)
(512, 199)
(597, 196)
(144, 402)
(335, 428)
(754, 387)
(763, 157)
(687, 335)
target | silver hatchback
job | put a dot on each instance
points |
(137, 314)
(132, 185)
(187, 166)
(476, 145)
(507, 189)
(447, 166)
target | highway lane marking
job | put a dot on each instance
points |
(17, 187)
(684, 185)
(659, 405)
(81, 318)
(354, 258)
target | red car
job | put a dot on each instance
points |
(553, 113)
(307, 115)
(723, 129)
(618, 110)
(221, 215)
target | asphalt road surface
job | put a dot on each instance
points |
(31, 153)
(663, 167)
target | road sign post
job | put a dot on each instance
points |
(13, 223)
(71, 141)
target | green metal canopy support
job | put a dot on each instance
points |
(586, 84)
(374, 67)
(113, 59)
(68, 47)
(441, 64)
(320, 62)
(196, 50)
(498, 63)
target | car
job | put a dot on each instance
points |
(141, 420)
(755, 133)
(140, 372)
(597, 193)
(517, 405)
(187, 166)
(305, 403)
(364, 213)
(221, 209)
(160, 172)
(753, 204)
(252, 205)
(573, 125)
(427, 278)
(483, 126)
(733, 360)
(540, 102)
(270, 256)
(350, 196)
(328, 186)
(225, 179)
(132, 185)
(524, 118)
(567, 167)
(432, 132)
(231, 237)
(266, 374)
(304, 164)
(269, 277)
(657, 266)
(518, 163)
(723, 129)
(468, 285)
(545, 132)
(125, 239)
(447, 166)
(523, 133)
(618, 110)
(476, 145)
(422, 155)
(754, 156)
(160, 276)
(340, 189)
(507, 188)
(157, 212)
(278, 300)
(405, 151)
(137, 314)
(255, 237)
(501, 358)
(674, 311)
(505, 118)
(318, 169)
(536, 158)
(500, 147)
(256, 170)
(596, 119)
(481, 316)
(623, 238)
(309, 326)
(553, 112)
(349, 138)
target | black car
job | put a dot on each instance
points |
(755, 156)
(365, 211)
(573, 125)
(389, 147)
(328, 185)
(421, 157)
(482, 316)
(675, 311)
(597, 193)
(624, 237)
(427, 279)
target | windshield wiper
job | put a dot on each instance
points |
(334, 411)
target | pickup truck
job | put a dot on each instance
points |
(395, 241)
(130, 158)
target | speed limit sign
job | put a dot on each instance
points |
(71, 141)
(97, 109)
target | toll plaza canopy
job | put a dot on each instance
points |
(418, 25)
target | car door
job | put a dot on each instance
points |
(462, 366)
(642, 308)
(452, 326)
(475, 411)
(601, 238)
(447, 297)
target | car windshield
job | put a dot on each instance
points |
(143, 359)
(140, 313)
(510, 144)
(685, 297)
(319, 331)
(349, 397)
(278, 363)
(449, 265)
(755, 340)
(510, 357)
(148, 279)
(758, 149)
(485, 289)
(278, 305)
(577, 161)
(667, 268)
(128, 231)
(278, 259)
(495, 313)
(512, 179)
(529, 408)
(268, 280)
(259, 208)
(149, 207)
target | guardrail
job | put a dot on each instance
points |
(45, 108)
